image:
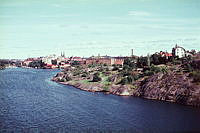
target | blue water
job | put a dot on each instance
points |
(31, 102)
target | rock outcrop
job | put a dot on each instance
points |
(173, 87)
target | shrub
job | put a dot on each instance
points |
(115, 68)
(96, 78)
(84, 75)
(107, 69)
(148, 73)
(130, 63)
(123, 81)
(176, 62)
(75, 63)
(130, 79)
(127, 80)
(91, 65)
(67, 78)
(63, 80)
(76, 73)
(155, 69)
(164, 69)
(125, 73)
(135, 77)
(109, 79)
(188, 67)
(105, 64)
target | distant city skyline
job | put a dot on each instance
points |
(34, 28)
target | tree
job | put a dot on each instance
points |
(193, 52)
(142, 61)
(54, 62)
(155, 59)
(75, 63)
(37, 63)
(130, 63)
(96, 77)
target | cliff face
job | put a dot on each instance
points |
(172, 87)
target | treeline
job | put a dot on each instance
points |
(150, 65)
(36, 64)
(4, 63)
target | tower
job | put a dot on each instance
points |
(148, 60)
(131, 52)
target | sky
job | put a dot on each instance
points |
(34, 28)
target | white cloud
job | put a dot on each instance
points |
(138, 13)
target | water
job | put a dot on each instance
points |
(30, 102)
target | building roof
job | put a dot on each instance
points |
(179, 47)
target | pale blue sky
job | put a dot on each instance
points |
(31, 28)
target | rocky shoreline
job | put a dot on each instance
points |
(119, 90)
(171, 87)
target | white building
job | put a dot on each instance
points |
(178, 51)
(48, 59)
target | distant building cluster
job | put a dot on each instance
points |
(53, 61)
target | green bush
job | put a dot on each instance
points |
(92, 65)
(123, 81)
(76, 73)
(164, 69)
(176, 62)
(127, 80)
(109, 79)
(155, 69)
(125, 73)
(96, 77)
(148, 73)
(130, 79)
(135, 77)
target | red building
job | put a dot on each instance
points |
(117, 60)
(107, 60)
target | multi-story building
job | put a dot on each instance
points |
(105, 60)
(48, 59)
(117, 60)
(178, 51)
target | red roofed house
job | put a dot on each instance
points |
(165, 54)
